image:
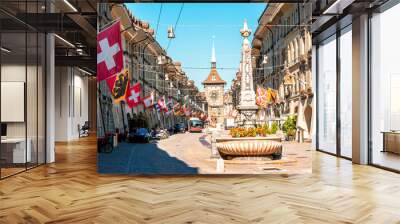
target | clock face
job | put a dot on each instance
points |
(214, 95)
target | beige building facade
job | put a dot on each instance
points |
(282, 49)
(148, 64)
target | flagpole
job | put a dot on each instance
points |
(123, 117)
(105, 26)
(158, 116)
(101, 111)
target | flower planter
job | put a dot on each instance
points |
(250, 147)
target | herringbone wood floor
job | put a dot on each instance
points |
(70, 191)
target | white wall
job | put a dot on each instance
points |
(80, 110)
(71, 102)
(12, 73)
(33, 126)
(314, 84)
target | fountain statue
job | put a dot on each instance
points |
(255, 147)
(247, 105)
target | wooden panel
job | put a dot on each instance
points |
(392, 142)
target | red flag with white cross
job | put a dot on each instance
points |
(109, 52)
(133, 95)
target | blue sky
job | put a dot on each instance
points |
(198, 24)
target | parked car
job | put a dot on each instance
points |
(179, 128)
(171, 131)
(160, 134)
(141, 135)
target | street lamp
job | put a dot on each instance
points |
(161, 59)
(265, 60)
(171, 33)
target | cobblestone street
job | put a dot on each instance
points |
(189, 153)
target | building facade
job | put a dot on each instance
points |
(282, 50)
(149, 65)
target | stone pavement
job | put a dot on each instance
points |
(189, 153)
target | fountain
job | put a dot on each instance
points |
(263, 147)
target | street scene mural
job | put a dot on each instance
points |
(166, 105)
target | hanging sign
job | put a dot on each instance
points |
(118, 85)
(148, 101)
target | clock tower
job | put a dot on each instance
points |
(214, 90)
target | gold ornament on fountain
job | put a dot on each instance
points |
(245, 31)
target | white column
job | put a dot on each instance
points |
(61, 103)
(50, 101)
(360, 90)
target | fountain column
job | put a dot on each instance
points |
(247, 105)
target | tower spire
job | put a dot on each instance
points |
(213, 58)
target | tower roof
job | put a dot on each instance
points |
(213, 78)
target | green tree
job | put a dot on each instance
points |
(289, 126)
(274, 127)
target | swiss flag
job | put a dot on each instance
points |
(109, 52)
(133, 95)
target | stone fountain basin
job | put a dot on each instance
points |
(249, 146)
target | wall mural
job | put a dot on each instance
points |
(249, 106)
